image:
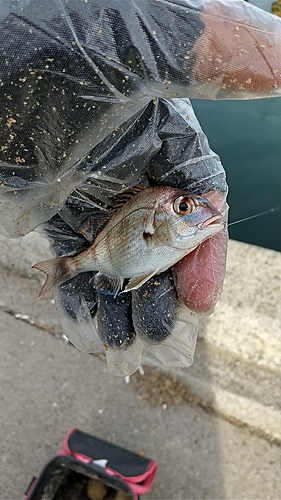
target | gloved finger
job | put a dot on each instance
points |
(239, 49)
(166, 328)
(154, 307)
(114, 319)
(200, 275)
(73, 293)
(64, 240)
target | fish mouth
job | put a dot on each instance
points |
(214, 220)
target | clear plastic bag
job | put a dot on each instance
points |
(92, 104)
(77, 75)
(151, 317)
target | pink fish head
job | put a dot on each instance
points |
(185, 220)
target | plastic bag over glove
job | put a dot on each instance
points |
(72, 72)
(174, 152)
(82, 122)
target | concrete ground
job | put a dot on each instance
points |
(214, 428)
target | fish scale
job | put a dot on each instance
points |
(106, 252)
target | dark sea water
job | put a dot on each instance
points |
(247, 137)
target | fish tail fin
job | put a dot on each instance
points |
(57, 271)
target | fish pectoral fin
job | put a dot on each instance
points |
(155, 234)
(152, 241)
(137, 282)
(149, 230)
(107, 283)
(149, 224)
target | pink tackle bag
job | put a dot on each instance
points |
(88, 467)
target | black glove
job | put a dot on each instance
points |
(163, 145)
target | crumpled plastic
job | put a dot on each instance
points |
(93, 103)
(152, 317)
(75, 72)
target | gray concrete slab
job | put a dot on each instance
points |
(48, 386)
(214, 428)
(237, 365)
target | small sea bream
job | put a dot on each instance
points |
(152, 231)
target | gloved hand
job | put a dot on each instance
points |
(86, 112)
(174, 152)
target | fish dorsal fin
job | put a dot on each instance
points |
(121, 199)
(93, 224)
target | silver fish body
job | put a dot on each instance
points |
(152, 231)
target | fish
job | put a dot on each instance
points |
(155, 228)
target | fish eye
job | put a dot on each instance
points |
(184, 205)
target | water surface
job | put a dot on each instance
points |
(247, 137)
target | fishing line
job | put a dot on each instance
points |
(274, 209)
